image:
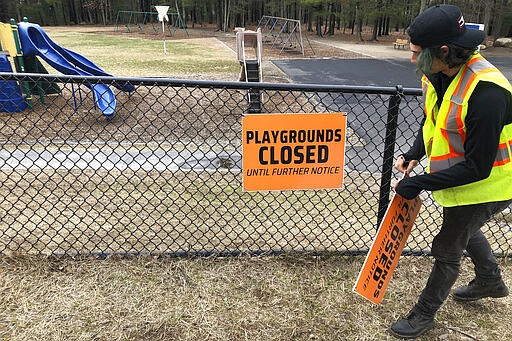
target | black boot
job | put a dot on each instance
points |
(477, 289)
(411, 326)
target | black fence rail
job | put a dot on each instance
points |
(160, 169)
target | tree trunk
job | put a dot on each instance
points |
(225, 23)
(310, 22)
(488, 8)
(386, 25)
(498, 18)
(358, 22)
(319, 20)
(218, 14)
(374, 31)
(424, 5)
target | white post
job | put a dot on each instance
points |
(162, 15)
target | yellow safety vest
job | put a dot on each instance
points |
(444, 134)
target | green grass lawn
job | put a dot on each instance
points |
(128, 56)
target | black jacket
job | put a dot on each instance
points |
(489, 109)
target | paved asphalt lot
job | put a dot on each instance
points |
(364, 72)
(383, 67)
(366, 114)
(360, 72)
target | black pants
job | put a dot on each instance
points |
(460, 231)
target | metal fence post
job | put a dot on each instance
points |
(389, 151)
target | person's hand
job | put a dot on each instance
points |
(405, 187)
(405, 166)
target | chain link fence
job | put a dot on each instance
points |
(163, 173)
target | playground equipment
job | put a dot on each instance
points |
(30, 41)
(249, 52)
(11, 98)
(283, 33)
(9, 44)
(35, 42)
(141, 19)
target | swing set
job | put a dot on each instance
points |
(283, 33)
(129, 19)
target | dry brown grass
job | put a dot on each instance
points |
(292, 297)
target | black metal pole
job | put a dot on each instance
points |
(389, 151)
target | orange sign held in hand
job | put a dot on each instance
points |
(387, 246)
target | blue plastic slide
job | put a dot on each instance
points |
(88, 66)
(34, 41)
(11, 98)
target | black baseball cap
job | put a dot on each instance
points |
(443, 24)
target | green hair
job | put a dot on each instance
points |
(456, 56)
(424, 62)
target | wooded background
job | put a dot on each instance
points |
(324, 17)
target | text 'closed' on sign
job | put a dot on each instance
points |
(387, 246)
(293, 151)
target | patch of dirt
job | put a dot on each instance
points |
(271, 50)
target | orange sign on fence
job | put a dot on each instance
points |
(293, 151)
(387, 247)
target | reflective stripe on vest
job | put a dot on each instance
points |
(428, 91)
(454, 124)
(444, 136)
(504, 151)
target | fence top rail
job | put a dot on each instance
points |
(165, 81)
